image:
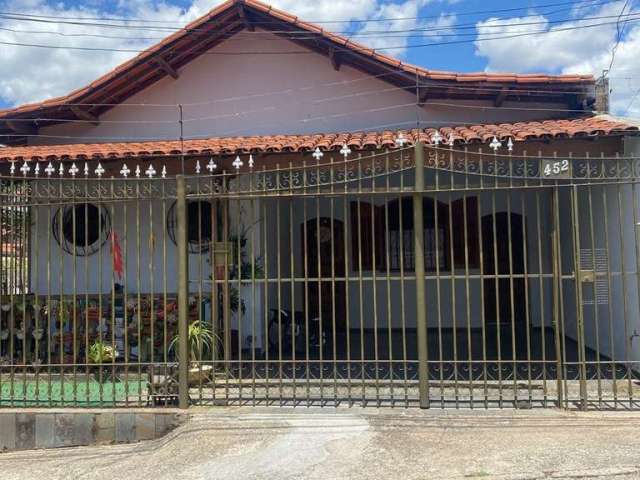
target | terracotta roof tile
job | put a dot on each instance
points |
(520, 131)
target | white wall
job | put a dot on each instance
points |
(239, 100)
(149, 256)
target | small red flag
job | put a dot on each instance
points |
(116, 254)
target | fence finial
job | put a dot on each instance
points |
(73, 170)
(401, 140)
(138, 171)
(49, 170)
(12, 170)
(99, 170)
(345, 151)
(124, 171)
(61, 169)
(86, 169)
(25, 169)
(251, 162)
(150, 172)
(495, 144)
(36, 170)
(211, 166)
(237, 163)
(164, 171)
(317, 154)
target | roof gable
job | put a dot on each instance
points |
(167, 57)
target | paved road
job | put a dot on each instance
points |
(302, 443)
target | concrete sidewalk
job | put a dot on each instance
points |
(278, 443)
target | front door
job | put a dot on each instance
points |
(324, 255)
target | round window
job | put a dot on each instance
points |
(199, 225)
(81, 229)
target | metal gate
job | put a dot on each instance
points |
(415, 276)
(487, 280)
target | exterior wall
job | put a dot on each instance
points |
(149, 256)
(391, 291)
(226, 94)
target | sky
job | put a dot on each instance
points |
(454, 35)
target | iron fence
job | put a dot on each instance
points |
(422, 276)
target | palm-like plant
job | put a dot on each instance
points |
(200, 341)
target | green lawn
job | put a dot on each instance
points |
(29, 393)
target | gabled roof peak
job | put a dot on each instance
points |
(186, 44)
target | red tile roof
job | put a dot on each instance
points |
(521, 131)
(118, 84)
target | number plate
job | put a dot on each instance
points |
(555, 168)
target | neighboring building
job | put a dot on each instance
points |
(298, 147)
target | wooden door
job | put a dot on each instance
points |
(325, 259)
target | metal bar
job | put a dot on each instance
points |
(183, 291)
(421, 307)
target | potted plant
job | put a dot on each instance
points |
(100, 353)
(200, 341)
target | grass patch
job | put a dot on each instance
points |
(84, 393)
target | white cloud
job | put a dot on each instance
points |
(566, 50)
(405, 15)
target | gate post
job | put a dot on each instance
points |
(418, 245)
(183, 292)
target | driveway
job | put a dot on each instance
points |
(279, 443)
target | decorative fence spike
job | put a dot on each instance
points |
(73, 170)
(251, 162)
(49, 170)
(345, 151)
(401, 141)
(237, 163)
(437, 138)
(12, 170)
(495, 144)
(164, 171)
(198, 166)
(99, 170)
(25, 169)
(150, 172)
(61, 170)
(138, 171)
(86, 169)
(510, 145)
(451, 141)
(317, 154)
(36, 170)
(125, 171)
(211, 166)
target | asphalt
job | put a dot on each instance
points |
(353, 443)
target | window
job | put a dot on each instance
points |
(199, 225)
(81, 229)
(369, 235)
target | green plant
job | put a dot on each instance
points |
(200, 341)
(101, 352)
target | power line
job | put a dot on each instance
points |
(304, 34)
(338, 49)
(350, 33)
(619, 32)
(589, 3)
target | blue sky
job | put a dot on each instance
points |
(31, 74)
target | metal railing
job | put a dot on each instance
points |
(421, 276)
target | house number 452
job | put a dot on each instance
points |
(555, 168)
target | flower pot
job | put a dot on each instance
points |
(199, 374)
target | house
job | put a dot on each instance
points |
(282, 159)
